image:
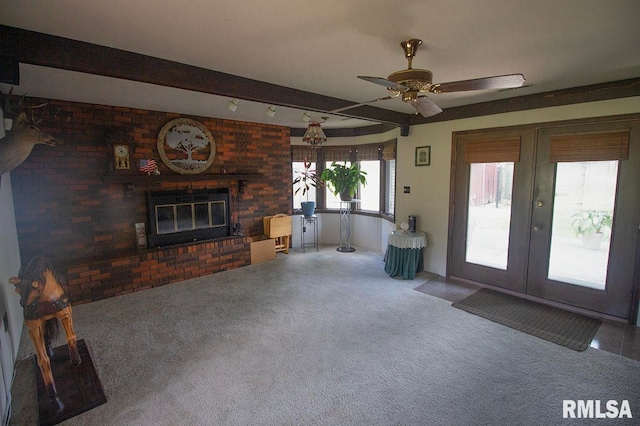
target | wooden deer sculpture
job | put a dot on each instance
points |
(18, 142)
(44, 302)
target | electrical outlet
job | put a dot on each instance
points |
(407, 189)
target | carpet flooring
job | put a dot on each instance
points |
(565, 328)
(322, 338)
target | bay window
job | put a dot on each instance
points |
(377, 160)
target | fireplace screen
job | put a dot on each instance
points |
(186, 217)
(178, 217)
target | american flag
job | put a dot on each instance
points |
(148, 166)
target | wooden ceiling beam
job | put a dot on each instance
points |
(574, 95)
(41, 49)
(57, 52)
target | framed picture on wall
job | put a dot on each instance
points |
(423, 156)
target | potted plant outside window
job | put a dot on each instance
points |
(343, 180)
(590, 224)
(305, 180)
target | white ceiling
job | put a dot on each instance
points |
(321, 47)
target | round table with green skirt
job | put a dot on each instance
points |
(405, 254)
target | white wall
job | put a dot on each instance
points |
(9, 300)
(9, 260)
(366, 231)
(429, 197)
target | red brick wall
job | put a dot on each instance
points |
(65, 211)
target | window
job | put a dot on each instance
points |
(368, 156)
(377, 160)
(302, 195)
(370, 193)
(331, 200)
(342, 155)
(390, 186)
(299, 156)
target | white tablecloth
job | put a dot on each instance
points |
(412, 240)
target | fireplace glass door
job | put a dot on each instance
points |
(187, 217)
(177, 217)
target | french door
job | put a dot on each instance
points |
(550, 212)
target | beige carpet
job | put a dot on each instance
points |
(321, 338)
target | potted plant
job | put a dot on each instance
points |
(590, 224)
(344, 179)
(305, 180)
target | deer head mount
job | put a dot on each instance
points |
(25, 133)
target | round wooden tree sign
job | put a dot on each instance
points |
(186, 146)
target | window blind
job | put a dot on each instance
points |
(493, 151)
(336, 153)
(590, 147)
(389, 151)
(300, 152)
(368, 152)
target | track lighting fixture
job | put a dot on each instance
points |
(233, 105)
(306, 117)
(271, 111)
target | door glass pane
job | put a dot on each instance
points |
(582, 216)
(490, 190)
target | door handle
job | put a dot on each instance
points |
(537, 227)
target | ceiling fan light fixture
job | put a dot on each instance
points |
(409, 82)
(314, 136)
(232, 105)
(413, 78)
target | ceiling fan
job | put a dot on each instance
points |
(411, 82)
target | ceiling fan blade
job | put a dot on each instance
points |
(425, 106)
(364, 103)
(383, 82)
(497, 82)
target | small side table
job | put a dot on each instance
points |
(311, 221)
(405, 254)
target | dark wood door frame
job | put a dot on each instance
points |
(604, 122)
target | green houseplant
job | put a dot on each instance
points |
(590, 224)
(306, 179)
(343, 179)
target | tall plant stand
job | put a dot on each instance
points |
(309, 221)
(345, 227)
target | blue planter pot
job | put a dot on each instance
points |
(308, 207)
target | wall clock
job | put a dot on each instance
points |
(186, 146)
(121, 156)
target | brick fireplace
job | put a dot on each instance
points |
(70, 208)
